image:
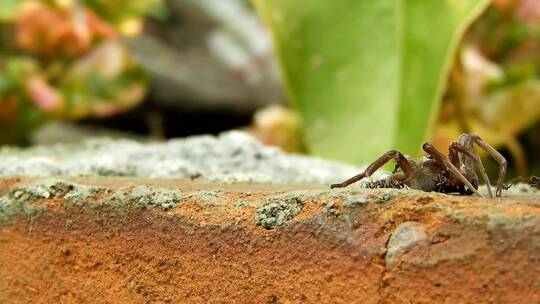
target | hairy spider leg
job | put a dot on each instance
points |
(445, 163)
(468, 140)
(400, 159)
(453, 153)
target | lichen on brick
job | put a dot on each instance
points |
(19, 201)
(355, 201)
(41, 189)
(382, 196)
(207, 197)
(241, 204)
(164, 199)
(275, 212)
(11, 208)
(80, 194)
(140, 196)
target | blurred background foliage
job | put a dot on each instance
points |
(160, 69)
(60, 59)
(352, 83)
(494, 87)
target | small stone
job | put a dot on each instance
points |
(68, 223)
(329, 208)
(406, 236)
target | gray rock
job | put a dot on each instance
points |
(190, 71)
(406, 236)
(228, 158)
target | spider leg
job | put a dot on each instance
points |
(400, 159)
(456, 148)
(467, 140)
(445, 162)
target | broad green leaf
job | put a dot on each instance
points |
(366, 76)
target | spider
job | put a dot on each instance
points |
(436, 172)
(534, 181)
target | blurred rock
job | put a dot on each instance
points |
(229, 158)
(209, 55)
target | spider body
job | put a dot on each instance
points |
(428, 175)
(437, 172)
(534, 181)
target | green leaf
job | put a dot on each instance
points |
(366, 76)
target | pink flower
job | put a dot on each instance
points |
(44, 96)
